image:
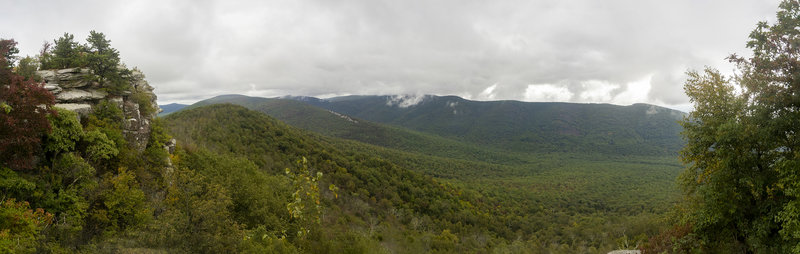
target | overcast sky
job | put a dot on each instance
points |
(608, 51)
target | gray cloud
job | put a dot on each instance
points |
(581, 51)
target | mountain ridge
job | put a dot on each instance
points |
(331, 123)
(637, 129)
(521, 125)
(170, 108)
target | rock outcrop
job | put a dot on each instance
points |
(626, 252)
(74, 90)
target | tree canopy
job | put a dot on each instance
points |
(101, 58)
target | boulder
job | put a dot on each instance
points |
(625, 252)
(170, 146)
(83, 109)
(135, 126)
(71, 74)
(74, 83)
(117, 100)
(47, 75)
(78, 95)
(67, 78)
(53, 88)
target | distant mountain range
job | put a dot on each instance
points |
(435, 124)
(169, 108)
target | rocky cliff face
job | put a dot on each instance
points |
(74, 91)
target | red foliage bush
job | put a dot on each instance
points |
(23, 115)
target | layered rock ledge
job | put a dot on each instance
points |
(74, 90)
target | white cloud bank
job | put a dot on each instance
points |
(578, 51)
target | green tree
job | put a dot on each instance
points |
(66, 190)
(9, 49)
(27, 68)
(743, 145)
(12, 185)
(99, 146)
(107, 118)
(102, 58)
(104, 62)
(19, 226)
(66, 132)
(198, 218)
(120, 204)
(66, 53)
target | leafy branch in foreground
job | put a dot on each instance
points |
(305, 205)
